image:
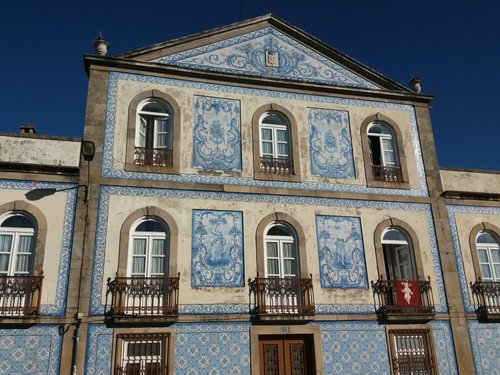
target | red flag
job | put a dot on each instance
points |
(407, 293)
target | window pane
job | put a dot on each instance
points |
(272, 267)
(158, 247)
(272, 249)
(138, 265)
(139, 246)
(4, 263)
(24, 244)
(497, 272)
(495, 255)
(281, 136)
(161, 141)
(5, 243)
(266, 134)
(22, 264)
(482, 255)
(288, 250)
(267, 148)
(157, 266)
(282, 149)
(485, 271)
(289, 267)
(486, 238)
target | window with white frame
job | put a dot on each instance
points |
(382, 145)
(275, 144)
(398, 255)
(412, 352)
(17, 242)
(153, 133)
(148, 254)
(141, 354)
(488, 252)
(281, 252)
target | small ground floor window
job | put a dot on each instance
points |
(141, 354)
(412, 352)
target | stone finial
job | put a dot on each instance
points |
(416, 85)
(101, 46)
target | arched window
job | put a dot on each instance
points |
(153, 133)
(488, 252)
(17, 244)
(275, 144)
(398, 255)
(383, 152)
(148, 254)
(281, 258)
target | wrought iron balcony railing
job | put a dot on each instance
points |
(403, 299)
(281, 296)
(158, 157)
(20, 295)
(281, 166)
(143, 296)
(388, 174)
(486, 295)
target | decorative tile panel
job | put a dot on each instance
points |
(212, 348)
(59, 306)
(340, 252)
(485, 342)
(267, 53)
(474, 210)
(35, 350)
(330, 144)
(217, 248)
(98, 277)
(354, 348)
(99, 350)
(114, 169)
(216, 134)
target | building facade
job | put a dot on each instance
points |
(250, 200)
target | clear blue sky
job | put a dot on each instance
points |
(454, 46)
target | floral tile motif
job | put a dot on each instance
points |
(485, 342)
(443, 344)
(217, 248)
(216, 134)
(99, 350)
(330, 144)
(36, 350)
(268, 53)
(340, 252)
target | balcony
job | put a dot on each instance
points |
(486, 295)
(279, 166)
(289, 298)
(387, 174)
(156, 298)
(403, 300)
(157, 157)
(20, 296)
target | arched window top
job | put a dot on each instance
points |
(380, 128)
(154, 106)
(395, 235)
(486, 238)
(279, 229)
(150, 225)
(274, 118)
(17, 221)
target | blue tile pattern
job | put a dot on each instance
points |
(59, 306)
(212, 348)
(114, 169)
(97, 306)
(216, 134)
(35, 350)
(99, 350)
(340, 252)
(354, 348)
(485, 342)
(246, 54)
(473, 210)
(217, 248)
(443, 344)
(330, 145)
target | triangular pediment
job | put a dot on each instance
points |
(269, 53)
